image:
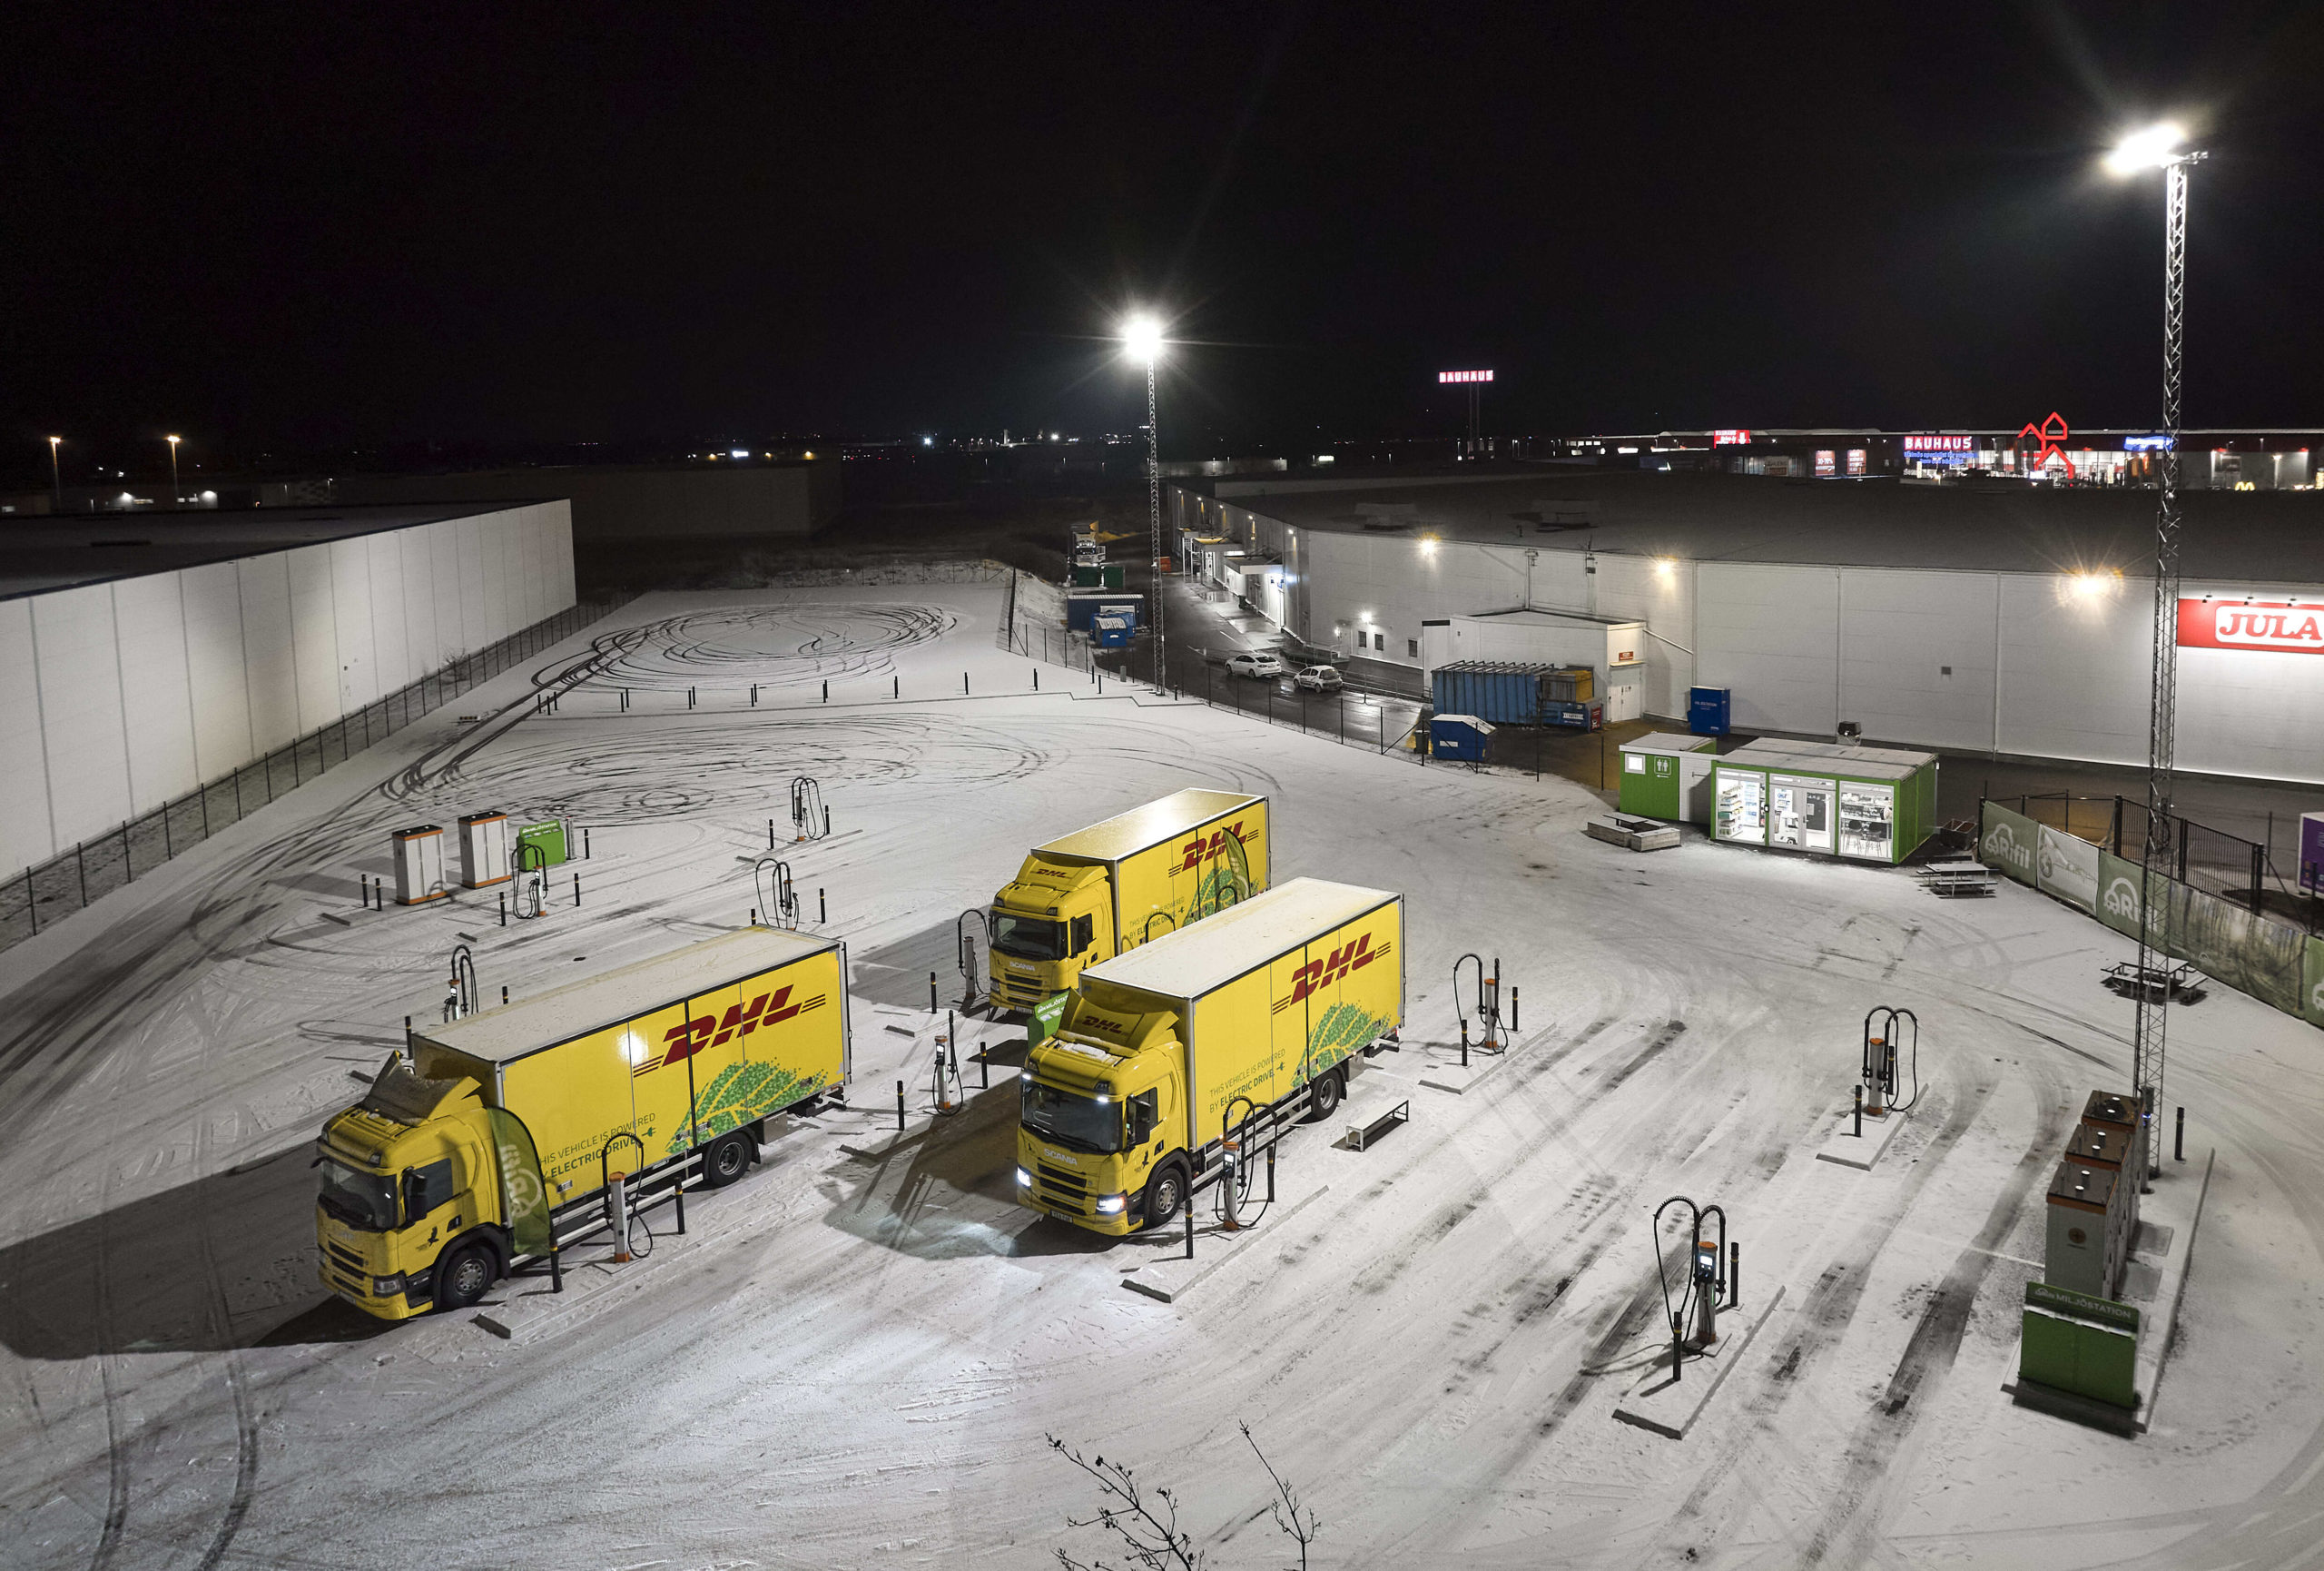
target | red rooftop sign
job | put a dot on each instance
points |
(2287, 626)
(1730, 438)
(1451, 376)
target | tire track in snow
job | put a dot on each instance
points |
(1936, 1342)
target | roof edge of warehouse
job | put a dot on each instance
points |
(42, 553)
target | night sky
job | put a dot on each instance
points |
(328, 224)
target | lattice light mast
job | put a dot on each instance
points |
(2157, 147)
(1142, 340)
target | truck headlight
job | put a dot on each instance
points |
(1111, 1205)
(386, 1287)
(1024, 1179)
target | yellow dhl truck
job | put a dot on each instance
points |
(1115, 885)
(1254, 1016)
(488, 1144)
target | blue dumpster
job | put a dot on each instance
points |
(1459, 739)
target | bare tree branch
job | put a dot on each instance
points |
(1302, 1532)
(1150, 1537)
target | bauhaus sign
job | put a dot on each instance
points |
(2289, 626)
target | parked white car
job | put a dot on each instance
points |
(1318, 678)
(1261, 665)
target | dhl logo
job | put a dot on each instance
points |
(688, 1037)
(1198, 850)
(1318, 974)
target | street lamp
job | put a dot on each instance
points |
(2157, 147)
(1142, 341)
(56, 476)
(174, 497)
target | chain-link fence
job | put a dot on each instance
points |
(2213, 860)
(52, 890)
(2276, 963)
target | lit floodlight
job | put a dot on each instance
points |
(1142, 338)
(2156, 147)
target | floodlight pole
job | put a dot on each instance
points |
(1154, 517)
(2154, 1003)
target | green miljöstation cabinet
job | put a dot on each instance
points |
(1824, 798)
(1667, 774)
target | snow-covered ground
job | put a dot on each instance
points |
(854, 1362)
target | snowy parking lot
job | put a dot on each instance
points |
(853, 1357)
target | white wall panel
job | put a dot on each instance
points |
(1918, 649)
(476, 608)
(351, 614)
(75, 635)
(157, 708)
(270, 656)
(26, 836)
(118, 697)
(390, 635)
(215, 669)
(1771, 633)
(1661, 594)
(2073, 669)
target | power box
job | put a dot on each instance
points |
(483, 849)
(419, 865)
(549, 844)
(1707, 709)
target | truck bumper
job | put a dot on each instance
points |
(394, 1307)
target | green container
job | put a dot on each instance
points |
(1656, 770)
(2074, 1342)
(1823, 798)
(551, 844)
(1107, 576)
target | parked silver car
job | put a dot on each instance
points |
(1258, 665)
(1318, 678)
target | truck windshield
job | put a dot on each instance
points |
(1027, 937)
(361, 1199)
(1069, 1118)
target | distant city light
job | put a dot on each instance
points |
(738, 452)
(1460, 376)
(928, 441)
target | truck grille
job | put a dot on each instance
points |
(347, 1257)
(1064, 1186)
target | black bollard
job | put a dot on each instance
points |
(822, 909)
(827, 691)
(1735, 1276)
(1860, 1112)
(2178, 1139)
(585, 846)
(504, 997)
(827, 822)
(576, 889)
(504, 908)
(900, 1107)
(932, 993)
(1464, 1045)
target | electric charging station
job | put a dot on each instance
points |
(777, 900)
(809, 819)
(1492, 1030)
(1888, 1035)
(1709, 1286)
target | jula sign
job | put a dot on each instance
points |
(2278, 625)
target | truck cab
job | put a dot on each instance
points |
(1101, 1131)
(409, 1212)
(1051, 921)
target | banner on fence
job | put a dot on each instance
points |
(2009, 841)
(2118, 904)
(2311, 983)
(2227, 941)
(2067, 866)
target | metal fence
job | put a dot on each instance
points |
(2201, 856)
(43, 894)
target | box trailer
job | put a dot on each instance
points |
(1083, 607)
(1667, 774)
(1100, 891)
(1238, 1026)
(489, 1144)
(1871, 804)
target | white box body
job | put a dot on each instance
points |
(419, 865)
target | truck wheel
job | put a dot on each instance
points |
(725, 1159)
(1166, 1192)
(1324, 1100)
(463, 1276)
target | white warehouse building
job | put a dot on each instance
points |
(2012, 621)
(143, 656)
